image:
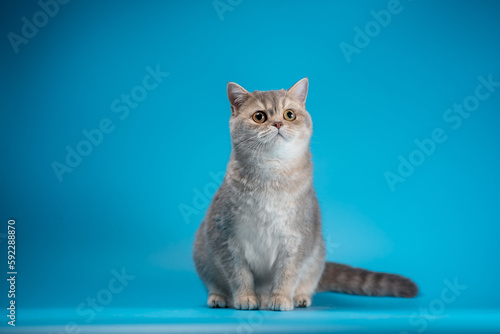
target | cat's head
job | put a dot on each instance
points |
(271, 123)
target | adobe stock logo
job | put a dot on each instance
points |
(436, 308)
(221, 7)
(29, 29)
(89, 309)
(201, 198)
(373, 28)
(120, 106)
(427, 146)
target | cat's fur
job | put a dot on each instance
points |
(260, 244)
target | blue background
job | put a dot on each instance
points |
(122, 206)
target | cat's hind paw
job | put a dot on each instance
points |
(216, 301)
(302, 301)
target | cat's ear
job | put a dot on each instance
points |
(299, 90)
(237, 96)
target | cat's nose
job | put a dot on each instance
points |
(278, 124)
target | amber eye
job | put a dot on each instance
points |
(259, 117)
(289, 115)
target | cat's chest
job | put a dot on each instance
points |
(265, 225)
(272, 211)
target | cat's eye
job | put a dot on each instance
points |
(259, 117)
(289, 115)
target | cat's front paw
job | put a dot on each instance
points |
(280, 303)
(248, 302)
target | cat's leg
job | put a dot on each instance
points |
(227, 269)
(311, 273)
(286, 274)
(217, 299)
(241, 281)
(216, 284)
(305, 290)
(282, 291)
(297, 277)
(219, 293)
(233, 274)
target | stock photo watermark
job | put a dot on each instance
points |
(89, 309)
(201, 198)
(364, 36)
(12, 271)
(330, 245)
(453, 117)
(253, 320)
(121, 107)
(436, 308)
(223, 6)
(30, 27)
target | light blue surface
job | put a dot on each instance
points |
(135, 201)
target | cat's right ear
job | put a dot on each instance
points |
(237, 96)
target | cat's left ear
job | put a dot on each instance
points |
(237, 96)
(299, 90)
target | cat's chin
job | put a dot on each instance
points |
(278, 141)
(279, 137)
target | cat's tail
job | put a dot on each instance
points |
(346, 279)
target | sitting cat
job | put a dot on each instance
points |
(260, 243)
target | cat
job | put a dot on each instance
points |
(260, 244)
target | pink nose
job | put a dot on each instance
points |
(278, 124)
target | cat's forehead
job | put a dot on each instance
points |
(272, 101)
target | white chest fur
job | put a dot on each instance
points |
(264, 224)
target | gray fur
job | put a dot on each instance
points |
(260, 244)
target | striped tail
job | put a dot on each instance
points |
(346, 279)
